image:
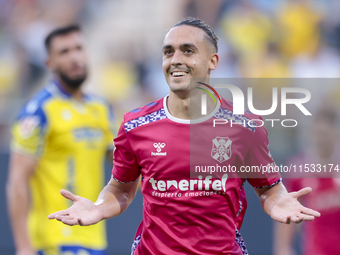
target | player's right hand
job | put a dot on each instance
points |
(83, 212)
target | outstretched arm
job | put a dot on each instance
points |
(284, 207)
(112, 201)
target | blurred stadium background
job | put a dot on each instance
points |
(258, 39)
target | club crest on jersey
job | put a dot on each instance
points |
(159, 147)
(221, 150)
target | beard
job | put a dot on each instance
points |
(72, 83)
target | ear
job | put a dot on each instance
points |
(213, 61)
(48, 63)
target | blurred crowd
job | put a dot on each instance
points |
(257, 39)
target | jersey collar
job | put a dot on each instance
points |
(60, 90)
(185, 121)
(56, 88)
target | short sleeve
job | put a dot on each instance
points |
(259, 158)
(125, 163)
(29, 132)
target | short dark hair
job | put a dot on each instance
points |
(60, 31)
(194, 22)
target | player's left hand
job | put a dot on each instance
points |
(287, 208)
(83, 212)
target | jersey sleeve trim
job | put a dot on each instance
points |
(146, 119)
(271, 185)
(237, 119)
(14, 148)
(122, 181)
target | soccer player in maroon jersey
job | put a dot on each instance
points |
(182, 213)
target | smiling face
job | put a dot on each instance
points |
(187, 53)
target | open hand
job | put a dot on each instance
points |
(83, 212)
(288, 209)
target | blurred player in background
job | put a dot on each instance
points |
(321, 236)
(179, 215)
(60, 140)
